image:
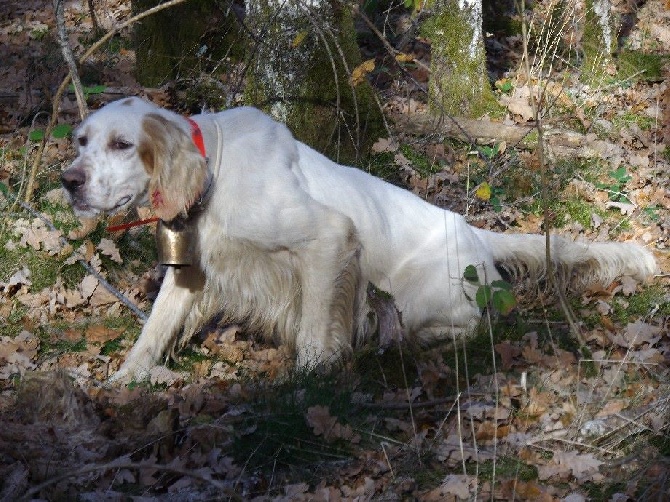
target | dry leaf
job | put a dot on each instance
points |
(108, 248)
(384, 145)
(401, 57)
(483, 192)
(360, 72)
(100, 334)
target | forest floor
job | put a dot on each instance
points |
(518, 412)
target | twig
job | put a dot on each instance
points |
(69, 58)
(61, 89)
(555, 279)
(139, 313)
(133, 465)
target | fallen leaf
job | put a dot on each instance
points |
(360, 72)
(108, 248)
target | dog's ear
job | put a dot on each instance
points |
(178, 170)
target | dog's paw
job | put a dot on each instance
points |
(126, 374)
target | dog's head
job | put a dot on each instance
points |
(130, 152)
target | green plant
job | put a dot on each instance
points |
(616, 188)
(652, 212)
(498, 294)
(488, 152)
(90, 89)
(59, 131)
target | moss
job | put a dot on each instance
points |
(640, 65)
(423, 165)
(459, 85)
(596, 48)
(644, 122)
(308, 85)
(640, 304)
(183, 41)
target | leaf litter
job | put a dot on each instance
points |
(567, 418)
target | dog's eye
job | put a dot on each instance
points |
(119, 144)
(82, 140)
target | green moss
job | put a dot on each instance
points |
(631, 308)
(423, 165)
(596, 50)
(460, 84)
(308, 85)
(383, 166)
(184, 41)
(640, 65)
(643, 121)
(504, 468)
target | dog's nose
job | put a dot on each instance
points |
(73, 179)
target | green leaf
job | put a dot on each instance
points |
(4, 189)
(620, 175)
(506, 87)
(503, 301)
(90, 89)
(61, 131)
(495, 202)
(483, 296)
(95, 89)
(36, 135)
(500, 284)
(470, 274)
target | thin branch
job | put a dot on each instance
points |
(69, 58)
(555, 279)
(120, 296)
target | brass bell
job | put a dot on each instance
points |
(174, 241)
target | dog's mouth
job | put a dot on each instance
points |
(122, 202)
(84, 208)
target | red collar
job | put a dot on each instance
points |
(196, 135)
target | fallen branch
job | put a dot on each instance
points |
(461, 128)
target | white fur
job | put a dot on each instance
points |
(289, 240)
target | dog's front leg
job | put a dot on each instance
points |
(180, 290)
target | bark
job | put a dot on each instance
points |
(599, 40)
(303, 57)
(182, 42)
(459, 83)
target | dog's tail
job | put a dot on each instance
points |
(578, 264)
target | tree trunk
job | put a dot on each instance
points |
(458, 82)
(304, 54)
(181, 42)
(599, 40)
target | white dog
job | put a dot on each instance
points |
(287, 241)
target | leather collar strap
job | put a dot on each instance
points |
(196, 134)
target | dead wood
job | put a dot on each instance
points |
(461, 128)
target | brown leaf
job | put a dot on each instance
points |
(108, 248)
(507, 353)
(100, 334)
